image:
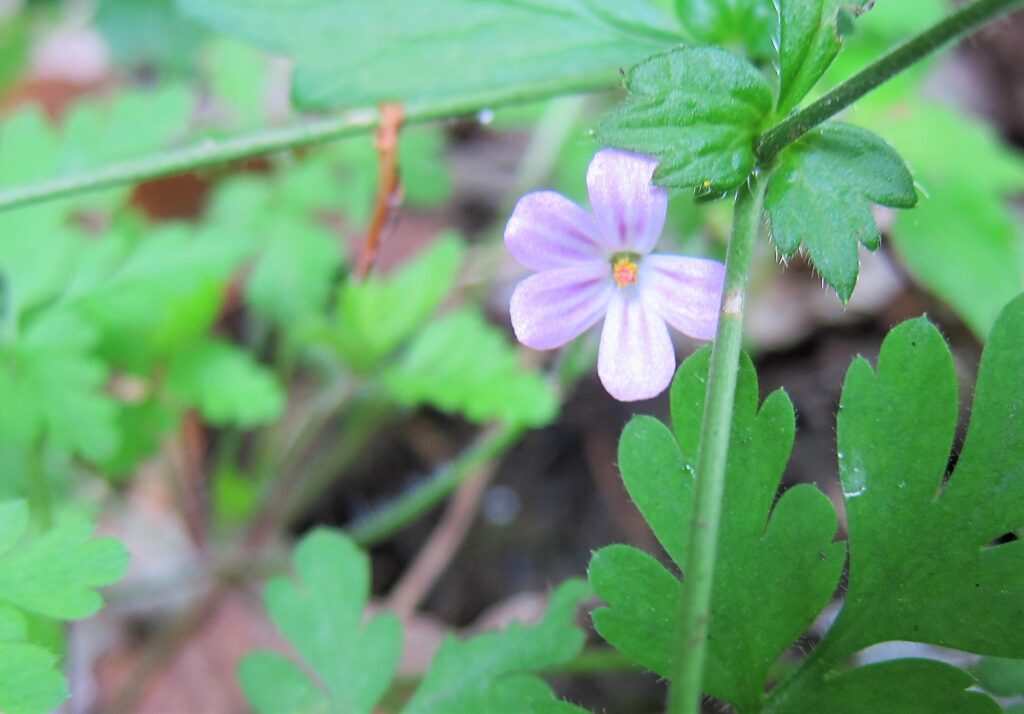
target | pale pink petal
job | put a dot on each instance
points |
(629, 210)
(554, 306)
(636, 359)
(547, 231)
(685, 292)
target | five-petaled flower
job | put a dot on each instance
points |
(593, 265)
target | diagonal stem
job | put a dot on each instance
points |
(695, 609)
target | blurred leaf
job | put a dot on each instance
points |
(697, 109)
(354, 53)
(14, 44)
(56, 573)
(144, 33)
(902, 686)
(32, 682)
(320, 614)
(1001, 676)
(782, 551)
(376, 315)
(462, 364)
(53, 388)
(745, 25)
(820, 198)
(809, 42)
(225, 384)
(142, 427)
(238, 77)
(491, 672)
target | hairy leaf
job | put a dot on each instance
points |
(697, 109)
(491, 672)
(355, 53)
(321, 614)
(820, 198)
(782, 552)
(809, 42)
(462, 364)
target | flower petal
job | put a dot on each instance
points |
(685, 292)
(629, 210)
(547, 230)
(554, 306)
(636, 359)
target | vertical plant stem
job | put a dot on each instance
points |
(695, 610)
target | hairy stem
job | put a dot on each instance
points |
(695, 609)
(213, 152)
(955, 26)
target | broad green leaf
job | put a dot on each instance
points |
(225, 384)
(809, 42)
(744, 24)
(30, 682)
(55, 574)
(148, 34)
(376, 315)
(1001, 676)
(492, 672)
(355, 53)
(321, 613)
(820, 198)
(53, 388)
(462, 364)
(697, 109)
(902, 686)
(783, 552)
(921, 546)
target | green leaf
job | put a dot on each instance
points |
(784, 552)
(921, 546)
(226, 384)
(32, 683)
(748, 24)
(148, 33)
(697, 109)
(142, 427)
(902, 686)
(820, 198)
(55, 574)
(320, 614)
(376, 315)
(462, 364)
(809, 42)
(53, 388)
(355, 53)
(491, 672)
(1001, 676)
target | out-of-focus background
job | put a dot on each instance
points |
(200, 373)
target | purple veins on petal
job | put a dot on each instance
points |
(547, 230)
(636, 359)
(685, 292)
(553, 307)
(630, 211)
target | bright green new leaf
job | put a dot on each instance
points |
(225, 384)
(698, 110)
(492, 672)
(782, 551)
(921, 546)
(820, 198)
(55, 574)
(376, 315)
(745, 24)
(809, 42)
(902, 686)
(356, 53)
(30, 682)
(462, 364)
(53, 388)
(321, 614)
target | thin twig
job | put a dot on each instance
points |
(389, 186)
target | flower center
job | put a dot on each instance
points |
(624, 270)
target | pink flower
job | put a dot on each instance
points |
(590, 266)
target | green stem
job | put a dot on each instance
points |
(396, 515)
(213, 152)
(695, 609)
(955, 26)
